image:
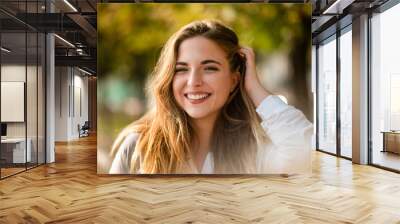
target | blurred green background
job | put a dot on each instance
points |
(130, 38)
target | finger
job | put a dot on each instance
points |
(244, 49)
(247, 51)
(247, 48)
(244, 52)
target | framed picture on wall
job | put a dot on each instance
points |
(179, 91)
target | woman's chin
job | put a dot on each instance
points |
(195, 114)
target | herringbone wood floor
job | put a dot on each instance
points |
(70, 191)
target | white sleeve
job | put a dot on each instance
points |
(290, 133)
(122, 160)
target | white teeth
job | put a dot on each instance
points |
(196, 96)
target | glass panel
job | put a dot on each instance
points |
(314, 92)
(346, 94)
(22, 88)
(31, 97)
(14, 153)
(32, 84)
(386, 89)
(327, 96)
(41, 98)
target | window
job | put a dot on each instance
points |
(327, 95)
(346, 92)
(385, 88)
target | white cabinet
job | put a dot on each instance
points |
(18, 149)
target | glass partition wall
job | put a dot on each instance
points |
(22, 88)
(13, 109)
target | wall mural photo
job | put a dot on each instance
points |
(204, 89)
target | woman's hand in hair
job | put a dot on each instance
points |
(251, 82)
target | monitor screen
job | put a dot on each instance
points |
(3, 129)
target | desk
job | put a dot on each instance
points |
(391, 141)
(15, 148)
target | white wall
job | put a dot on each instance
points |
(61, 103)
(71, 94)
(33, 126)
(16, 73)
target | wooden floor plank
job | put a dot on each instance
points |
(70, 191)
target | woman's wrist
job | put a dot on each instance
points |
(258, 94)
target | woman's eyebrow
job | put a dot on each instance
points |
(181, 63)
(203, 62)
(210, 61)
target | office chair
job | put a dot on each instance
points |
(84, 130)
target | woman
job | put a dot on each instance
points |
(211, 113)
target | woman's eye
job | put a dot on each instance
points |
(211, 69)
(180, 70)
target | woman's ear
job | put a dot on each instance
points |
(235, 80)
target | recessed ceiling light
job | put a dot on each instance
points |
(5, 50)
(84, 71)
(65, 41)
(337, 7)
(70, 5)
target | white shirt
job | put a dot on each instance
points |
(289, 151)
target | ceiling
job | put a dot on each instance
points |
(76, 22)
(73, 20)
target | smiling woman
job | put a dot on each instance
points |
(211, 114)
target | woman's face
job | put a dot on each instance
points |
(203, 80)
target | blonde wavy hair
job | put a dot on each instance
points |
(166, 133)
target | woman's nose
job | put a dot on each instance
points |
(195, 78)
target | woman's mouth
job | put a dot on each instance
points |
(196, 98)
